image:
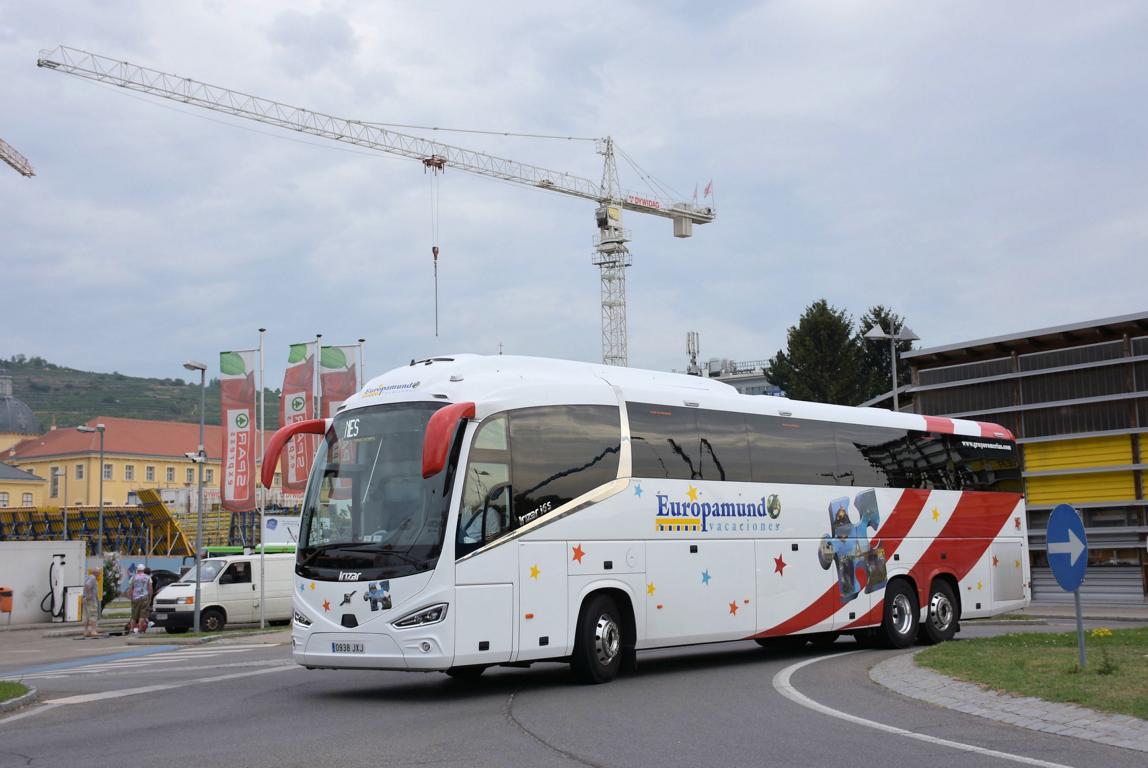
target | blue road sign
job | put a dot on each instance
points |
(1067, 547)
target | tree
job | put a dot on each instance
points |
(822, 361)
(877, 360)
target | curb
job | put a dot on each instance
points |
(902, 675)
(12, 705)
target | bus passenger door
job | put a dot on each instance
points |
(542, 609)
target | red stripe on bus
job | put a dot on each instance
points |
(988, 429)
(977, 520)
(940, 424)
(890, 535)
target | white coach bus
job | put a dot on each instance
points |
(469, 511)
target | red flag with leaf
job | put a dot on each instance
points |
(237, 409)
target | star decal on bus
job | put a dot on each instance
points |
(579, 553)
(996, 562)
(706, 577)
(980, 585)
(1016, 521)
(692, 493)
(733, 608)
(535, 571)
(779, 564)
(1017, 563)
(638, 490)
(650, 588)
(936, 514)
(327, 606)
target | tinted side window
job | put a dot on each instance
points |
(986, 464)
(560, 452)
(785, 450)
(870, 457)
(486, 512)
(664, 441)
(724, 446)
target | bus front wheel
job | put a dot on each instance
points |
(899, 624)
(597, 655)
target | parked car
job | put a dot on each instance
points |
(228, 593)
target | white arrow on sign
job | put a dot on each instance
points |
(1073, 547)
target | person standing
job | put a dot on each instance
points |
(139, 590)
(91, 604)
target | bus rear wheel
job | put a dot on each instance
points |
(598, 644)
(899, 624)
(941, 623)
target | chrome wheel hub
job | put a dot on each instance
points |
(941, 612)
(607, 640)
(902, 615)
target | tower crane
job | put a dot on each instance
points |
(15, 159)
(611, 255)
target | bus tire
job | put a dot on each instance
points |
(597, 656)
(212, 620)
(899, 623)
(469, 672)
(941, 623)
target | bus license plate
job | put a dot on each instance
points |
(346, 648)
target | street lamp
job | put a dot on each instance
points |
(198, 457)
(877, 333)
(64, 474)
(100, 525)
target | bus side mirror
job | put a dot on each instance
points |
(280, 438)
(440, 431)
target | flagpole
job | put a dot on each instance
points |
(259, 489)
(318, 404)
(362, 377)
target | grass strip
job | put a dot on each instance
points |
(9, 690)
(1044, 665)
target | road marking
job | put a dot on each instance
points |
(90, 697)
(782, 685)
(119, 663)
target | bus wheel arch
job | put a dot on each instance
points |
(604, 636)
(942, 610)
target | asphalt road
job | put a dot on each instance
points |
(243, 703)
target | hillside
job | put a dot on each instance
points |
(67, 397)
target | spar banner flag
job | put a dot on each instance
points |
(298, 404)
(337, 378)
(237, 408)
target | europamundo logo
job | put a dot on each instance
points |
(378, 390)
(690, 514)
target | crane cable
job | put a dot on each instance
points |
(434, 219)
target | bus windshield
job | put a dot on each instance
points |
(367, 507)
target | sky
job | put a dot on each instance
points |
(977, 166)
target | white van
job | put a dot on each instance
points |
(228, 592)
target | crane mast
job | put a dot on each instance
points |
(610, 252)
(15, 159)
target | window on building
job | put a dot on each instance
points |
(79, 474)
(149, 474)
(170, 474)
(189, 475)
(27, 500)
(108, 472)
(209, 475)
(3, 499)
(129, 472)
(276, 482)
(53, 481)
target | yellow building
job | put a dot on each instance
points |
(137, 454)
(19, 488)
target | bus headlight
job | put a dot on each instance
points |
(420, 618)
(302, 620)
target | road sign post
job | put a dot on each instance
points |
(1068, 558)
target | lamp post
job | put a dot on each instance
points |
(198, 457)
(877, 333)
(100, 524)
(64, 474)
